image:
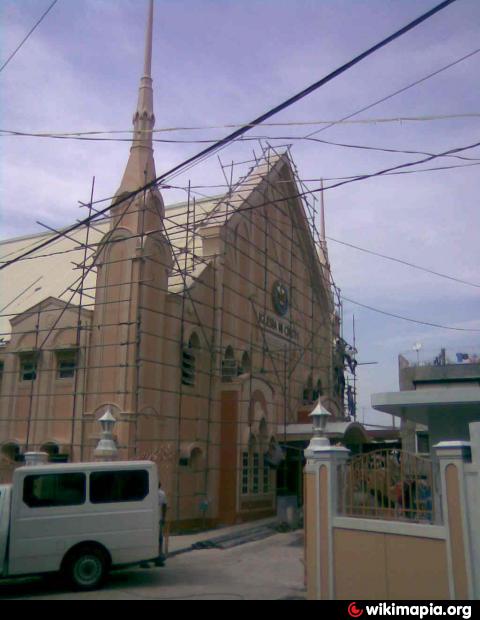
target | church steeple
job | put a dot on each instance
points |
(141, 166)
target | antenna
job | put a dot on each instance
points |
(416, 347)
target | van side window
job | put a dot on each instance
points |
(118, 486)
(47, 490)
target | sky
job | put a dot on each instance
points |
(218, 62)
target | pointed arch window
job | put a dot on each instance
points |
(312, 392)
(264, 467)
(250, 467)
(229, 365)
(256, 467)
(245, 365)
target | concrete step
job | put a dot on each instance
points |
(235, 538)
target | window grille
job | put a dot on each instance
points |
(188, 367)
(266, 478)
(256, 472)
(245, 472)
(66, 364)
(229, 369)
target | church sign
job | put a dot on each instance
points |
(280, 300)
(281, 329)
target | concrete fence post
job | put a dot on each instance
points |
(452, 457)
(321, 485)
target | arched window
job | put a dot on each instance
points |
(311, 392)
(251, 467)
(256, 466)
(10, 458)
(308, 391)
(229, 365)
(51, 448)
(264, 466)
(245, 365)
(11, 452)
(189, 360)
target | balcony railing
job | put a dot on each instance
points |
(442, 357)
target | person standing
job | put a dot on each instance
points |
(163, 507)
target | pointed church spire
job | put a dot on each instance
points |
(141, 166)
(147, 67)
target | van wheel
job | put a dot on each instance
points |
(86, 568)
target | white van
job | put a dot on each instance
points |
(81, 519)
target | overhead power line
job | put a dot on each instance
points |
(318, 180)
(404, 318)
(404, 262)
(28, 35)
(301, 194)
(291, 139)
(399, 91)
(222, 143)
(358, 121)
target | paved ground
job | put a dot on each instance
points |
(266, 569)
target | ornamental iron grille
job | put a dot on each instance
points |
(388, 484)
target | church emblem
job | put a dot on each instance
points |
(280, 298)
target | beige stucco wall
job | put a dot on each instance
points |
(133, 350)
(379, 566)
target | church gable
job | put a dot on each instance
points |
(269, 216)
(52, 322)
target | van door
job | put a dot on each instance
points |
(46, 508)
(5, 493)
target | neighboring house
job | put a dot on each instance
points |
(438, 398)
(206, 328)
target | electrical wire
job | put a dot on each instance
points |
(404, 318)
(302, 194)
(28, 35)
(129, 132)
(399, 91)
(403, 262)
(285, 104)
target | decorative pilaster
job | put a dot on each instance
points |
(321, 471)
(452, 456)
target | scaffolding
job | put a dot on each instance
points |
(217, 336)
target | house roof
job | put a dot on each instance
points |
(49, 272)
(416, 405)
(54, 271)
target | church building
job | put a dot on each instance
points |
(208, 329)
